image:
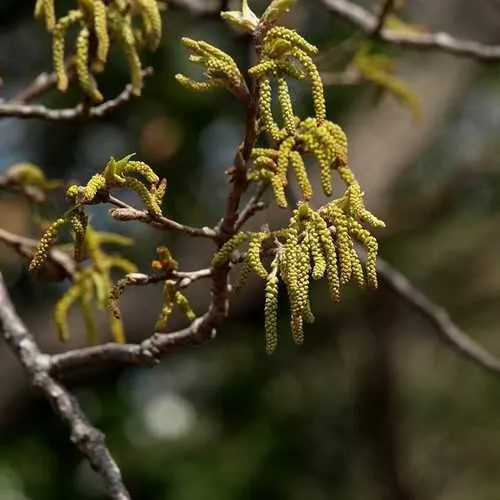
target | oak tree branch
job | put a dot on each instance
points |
(89, 440)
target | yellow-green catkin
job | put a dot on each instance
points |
(271, 308)
(357, 269)
(344, 243)
(290, 259)
(312, 144)
(61, 311)
(152, 21)
(316, 252)
(224, 253)
(101, 31)
(301, 175)
(96, 183)
(243, 276)
(85, 78)
(265, 110)
(316, 84)
(253, 255)
(46, 242)
(184, 306)
(142, 191)
(293, 38)
(278, 190)
(371, 244)
(197, 86)
(340, 142)
(58, 47)
(169, 290)
(78, 221)
(286, 106)
(134, 62)
(331, 258)
(298, 305)
(140, 168)
(46, 9)
(284, 158)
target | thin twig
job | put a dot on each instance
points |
(444, 326)
(252, 207)
(41, 84)
(89, 440)
(148, 352)
(19, 110)
(385, 10)
(126, 212)
(367, 22)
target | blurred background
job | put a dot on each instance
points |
(373, 405)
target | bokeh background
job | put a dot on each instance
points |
(373, 405)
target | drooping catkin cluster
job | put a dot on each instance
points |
(92, 285)
(172, 296)
(220, 69)
(123, 173)
(131, 24)
(316, 243)
(285, 54)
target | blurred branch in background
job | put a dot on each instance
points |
(43, 83)
(89, 440)
(372, 25)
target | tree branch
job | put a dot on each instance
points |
(368, 22)
(444, 326)
(20, 110)
(386, 8)
(126, 212)
(89, 440)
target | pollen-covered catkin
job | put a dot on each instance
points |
(148, 199)
(316, 252)
(78, 221)
(102, 35)
(289, 35)
(46, 8)
(253, 255)
(168, 305)
(265, 109)
(185, 307)
(301, 175)
(286, 106)
(58, 48)
(152, 21)
(224, 253)
(61, 311)
(85, 78)
(271, 308)
(142, 169)
(46, 242)
(134, 62)
(316, 84)
(371, 244)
